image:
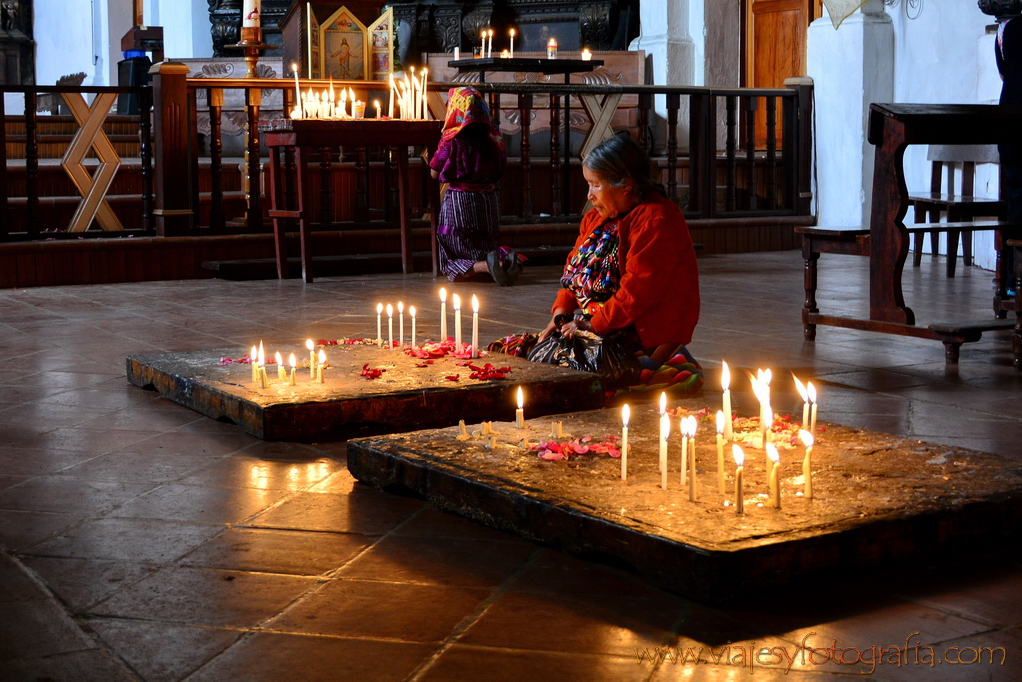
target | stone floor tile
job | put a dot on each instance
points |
(194, 596)
(370, 609)
(20, 529)
(80, 583)
(69, 495)
(33, 628)
(364, 510)
(555, 572)
(136, 467)
(460, 663)
(277, 551)
(245, 471)
(145, 540)
(93, 665)
(433, 523)
(198, 504)
(994, 599)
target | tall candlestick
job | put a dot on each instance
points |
(311, 345)
(254, 361)
(811, 390)
(720, 452)
(520, 412)
(475, 326)
(665, 431)
(443, 315)
(457, 323)
(692, 426)
(489, 49)
(739, 486)
(775, 466)
(376, 103)
(624, 427)
(390, 327)
(393, 96)
(423, 93)
(298, 95)
(725, 383)
(250, 13)
(683, 427)
(663, 412)
(512, 43)
(807, 463)
(411, 311)
(281, 372)
(401, 323)
(321, 367)
(379, 325)
(293, 361)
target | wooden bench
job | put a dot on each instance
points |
(856, 241)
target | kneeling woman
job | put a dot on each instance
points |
(632, 277)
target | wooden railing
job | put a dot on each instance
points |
(723, 175)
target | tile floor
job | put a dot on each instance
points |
(142, 541)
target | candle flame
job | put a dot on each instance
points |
(292, 360)
(663, 403)
(322, 358)
(725, 377)
(772, 453)
(738, 454)
(279, 358)
(254, 355)
(411, 311)
(309, 344)
(806, 437)
(767, 376)
(625, 414)
(456, 301)
(521, 398)
(443, 295)
(262, 354)
(811, 390)
(379, 308)
(512, 33)
(400, 306)
(475, 304)
(390, 310)
(720, 421)
(800, 387)
(693, 426)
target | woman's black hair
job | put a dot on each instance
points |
(619, 159)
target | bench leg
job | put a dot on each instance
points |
(917, 249)
(967, 247)
(951, 351)
(810, 284)
(952, 251)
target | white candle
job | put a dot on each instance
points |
(520, 412)
(683, 427)
(457, 323)
(513, 53)
(775, 466)
(262, 377)
(475, 326)
(692, 426)
(624, 424)
(423, 93)
(443, 315)
(725, 383)
(457, 54)
(805, 401)
(811, 390)
(720, 452)
(739, 471)
(663, 413)
(393, 96)
(376, 103)
(312, 357)
(586, 54)
(321, 367)
(489, 49)
(293, 361)
(807, 472)
(411, 311)
(401, 323)
(390, 327)
(298, 94)
(250, 14)
(379, 325)
(665, 431)
(253, 357)
(281, 372)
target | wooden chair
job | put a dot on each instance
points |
(961, 207)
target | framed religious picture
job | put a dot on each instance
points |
(343, 52)
(313, 68)
(381, 34)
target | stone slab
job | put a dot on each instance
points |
(877, 499)
(406, 396)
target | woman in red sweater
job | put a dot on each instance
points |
(632, 277)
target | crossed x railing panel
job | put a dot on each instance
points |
(93, 188)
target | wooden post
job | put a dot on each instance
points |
(173, 211)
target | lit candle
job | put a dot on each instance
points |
(762, 391)
(262, 377)
(551, 48)
(298, 94)
(489, 49)
(250, 14)
(811, 390)
(513, 49)
(390, 327)
(520, 412)
(725, 383)
(624, 418)
(253, 357)
(321, 367)
(293, 361)
(443, 315)
(692, 426)
(720, 452)
(683, 427)
(805, 400)
(422, 93)
(413, 105)
(401, 323)
(457, 323)
(393, 96)
(504, 54)
(411, 311)
(774, 458)
(457, 53)
(663, 413)
(475, 326)
(376, 103)
(482, 37)
(665, 431)
(807, 472)
(312, 357)
(739, 487)
(379, 325)
(281, 372)
(586, 54)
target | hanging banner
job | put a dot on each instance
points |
(839, 10)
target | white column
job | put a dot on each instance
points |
(851, 67)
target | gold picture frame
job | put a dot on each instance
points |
(343, 47)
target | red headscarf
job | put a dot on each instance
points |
(465, 106)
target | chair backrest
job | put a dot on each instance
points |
(968, 177)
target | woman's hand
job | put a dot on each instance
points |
(568, 329)
(552, 326)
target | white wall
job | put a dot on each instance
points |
(59, 50)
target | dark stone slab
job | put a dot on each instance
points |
(878, 499)
(405, 397)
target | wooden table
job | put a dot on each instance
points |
(286, 134)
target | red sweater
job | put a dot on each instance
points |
(659, 291)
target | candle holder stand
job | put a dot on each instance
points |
(252, 42)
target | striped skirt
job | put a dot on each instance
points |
(467, 229)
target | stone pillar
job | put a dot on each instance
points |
(664, 34)
(851, 67)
